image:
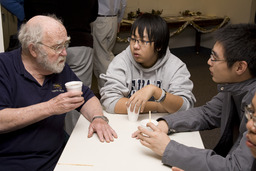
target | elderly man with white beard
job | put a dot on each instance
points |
(34, 99)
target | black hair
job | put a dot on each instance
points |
(239, 44)
(157, 29)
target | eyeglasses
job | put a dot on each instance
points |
(140, 42)
(58, 48)
(213, 57)
(249, 113)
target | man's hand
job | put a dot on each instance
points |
(140, 98)
(162, 125)
(156, 140)
(176, 169)
(16, 118)
(65, 102)
(91, 109)
(103, 130)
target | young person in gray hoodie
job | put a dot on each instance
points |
(232, 65)
(146, 74)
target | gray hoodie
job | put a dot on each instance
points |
(125, 76)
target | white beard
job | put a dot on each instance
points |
(55, 67)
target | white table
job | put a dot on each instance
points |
(124, 154)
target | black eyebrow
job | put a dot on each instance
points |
(214, 54)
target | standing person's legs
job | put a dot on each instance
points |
(104, 38)
(80, 61)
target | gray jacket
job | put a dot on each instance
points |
(219, 112)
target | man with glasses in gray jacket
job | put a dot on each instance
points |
(233, 66)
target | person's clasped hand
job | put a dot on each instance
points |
(140, 98)
(156, 140)
(103, 130)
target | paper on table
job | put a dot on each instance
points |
(73, 164)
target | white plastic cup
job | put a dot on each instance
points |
(74, 86)
(132, 115)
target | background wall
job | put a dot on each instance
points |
(1, 33)
(238, 11)
(8, 27)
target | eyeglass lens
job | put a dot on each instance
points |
(140, 42)
(249, 113)
(60, 48)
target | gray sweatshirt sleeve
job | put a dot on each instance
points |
(198, 118)
(194, 159)
(179, 82)
(115, 84)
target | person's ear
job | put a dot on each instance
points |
(32, 50)
(241, 67)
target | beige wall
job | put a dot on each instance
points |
(9, 25)
(1, 33)
(239, 11)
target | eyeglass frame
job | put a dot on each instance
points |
(133, 40)
(62, 46)
(249, 113)
(213, 57)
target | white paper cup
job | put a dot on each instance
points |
(74, 86)
(144, 122)
(133, 116)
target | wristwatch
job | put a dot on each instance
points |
(102, 117)
(162, 97)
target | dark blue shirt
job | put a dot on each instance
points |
(37, 146)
